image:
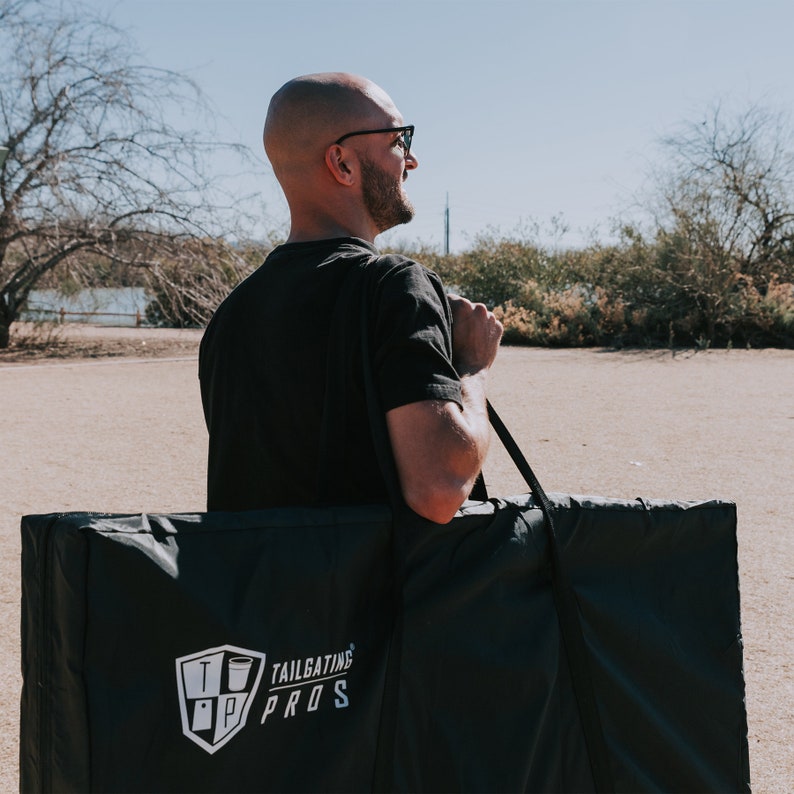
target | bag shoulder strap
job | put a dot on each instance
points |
(569, 618)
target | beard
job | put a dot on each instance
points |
(384, 198)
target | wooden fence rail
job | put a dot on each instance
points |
(63, 314)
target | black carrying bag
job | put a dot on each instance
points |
(131, 625)
(535, 643)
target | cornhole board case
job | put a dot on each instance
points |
(251, 651)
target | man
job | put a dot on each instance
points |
(341, 152)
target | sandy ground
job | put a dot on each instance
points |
(124, 433)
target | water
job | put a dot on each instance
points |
(117, 306)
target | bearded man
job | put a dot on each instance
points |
(341, 152)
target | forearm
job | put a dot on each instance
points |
(474, 418)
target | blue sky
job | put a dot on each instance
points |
(524, 110)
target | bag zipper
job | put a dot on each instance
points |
(45, 639)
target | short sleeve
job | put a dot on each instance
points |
(412, 356)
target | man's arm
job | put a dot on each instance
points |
(439, 447)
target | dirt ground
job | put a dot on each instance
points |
(114, 423)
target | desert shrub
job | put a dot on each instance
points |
(575, 316)
(521, 325)
(673, 286)
(188, 288)
(39, 335)
(492, 271)
(773, 317)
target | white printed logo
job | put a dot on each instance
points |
(216, 688)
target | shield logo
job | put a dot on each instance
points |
(216, 688)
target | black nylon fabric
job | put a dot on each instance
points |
(111, 604)
(154, 589)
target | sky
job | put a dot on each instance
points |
(525, 110)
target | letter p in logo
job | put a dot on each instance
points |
(216, 688)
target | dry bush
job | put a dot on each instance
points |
(188, 287)
(35, 336)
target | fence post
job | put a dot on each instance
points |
(62, 314)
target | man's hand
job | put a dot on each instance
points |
(476, 334)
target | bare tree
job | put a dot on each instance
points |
(94, 165)
(725, 212)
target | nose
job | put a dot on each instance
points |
(410, 161)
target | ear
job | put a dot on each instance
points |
(342, 168)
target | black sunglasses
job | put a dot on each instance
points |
(406, 137)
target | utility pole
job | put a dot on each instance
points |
(446, 227)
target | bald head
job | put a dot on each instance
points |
(309, 113)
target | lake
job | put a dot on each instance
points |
(119, 306)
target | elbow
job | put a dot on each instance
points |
(436, 504)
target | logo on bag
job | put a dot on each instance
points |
(216, 688)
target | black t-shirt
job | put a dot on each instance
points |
(263, 370)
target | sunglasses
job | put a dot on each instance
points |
(407, 135)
